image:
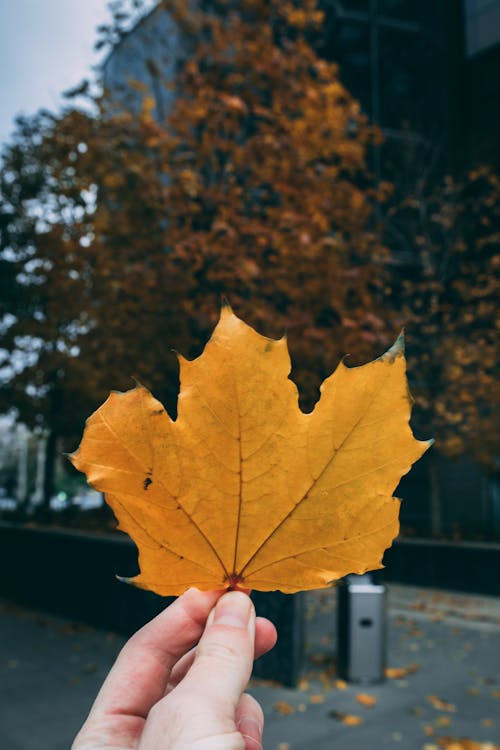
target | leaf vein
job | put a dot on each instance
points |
(324, 547)
(317, 479)
(162, 545)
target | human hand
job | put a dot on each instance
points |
(163, 694)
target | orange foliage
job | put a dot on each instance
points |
(127, 231)
(256, 188)
(450, 304)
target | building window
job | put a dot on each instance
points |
(482, 25)
(390, 55)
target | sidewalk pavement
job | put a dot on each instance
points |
(443, 684)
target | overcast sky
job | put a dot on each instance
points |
(46, 47)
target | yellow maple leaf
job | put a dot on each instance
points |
(243, 488)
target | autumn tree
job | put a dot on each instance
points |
(448, 295)
(267, 197)
(123, 232)
(44, 217)
(73, 324)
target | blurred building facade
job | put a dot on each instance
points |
(425, 71)
(403, 61)
(482, 80)
(144, 63)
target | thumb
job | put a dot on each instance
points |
(201, 711)
(225, 653)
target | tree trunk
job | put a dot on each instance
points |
(52, 435)
(436, 510)
(487, 520)
(37, 497)
(49, 470)
(22, 467)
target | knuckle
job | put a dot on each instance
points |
(219, 651)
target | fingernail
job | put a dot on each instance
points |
(233, 609)
(250, 729)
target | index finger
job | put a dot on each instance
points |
(140, 674)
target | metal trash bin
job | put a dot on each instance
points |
(361, 629)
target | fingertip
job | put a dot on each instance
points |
(265, 636)
(235, 609)
(225, 652)
(268, 631)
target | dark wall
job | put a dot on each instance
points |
(467, 493)
(465, 566)
(74, 575)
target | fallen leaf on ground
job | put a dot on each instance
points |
(396, 673)
(340, 684)
(464, 743)
(443, 721)
(366, 700)
(351, 720)
(441, 705)
(284, 708)
(318, 698)
(243, 488)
